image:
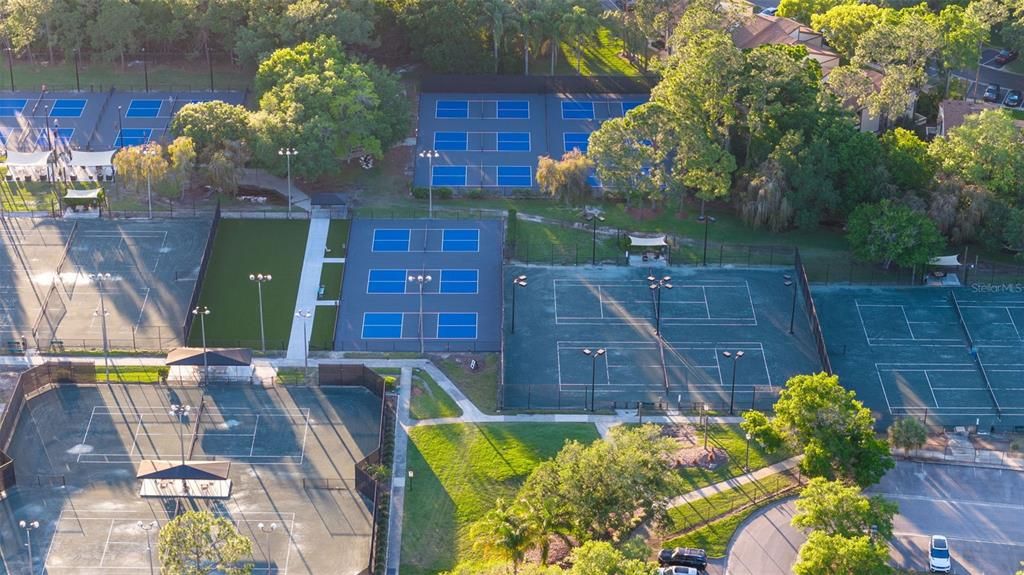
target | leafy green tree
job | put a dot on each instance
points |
(962, 36)
(201, 543)
(224, 168)
(824, 554)
(503, 531)
(907, 433)
(565, 179)
(962, 211)
(632, 153)
(271, 25)
(833, 429)
(803, 10)
(326, 106)
(113, 32)
(499, 16)
(599, 489)
(761, 430)
(985, 150)
(210, 124)
(501, 568)
(182, 158)
(907, 159)
(835, 508)
(843, 25)
(444, 34)
(578, 24)
(601, 558)
(891, 233)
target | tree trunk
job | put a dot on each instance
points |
(495, 53)
(526, 56)
(554, 48)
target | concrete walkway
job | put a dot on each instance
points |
(398, 473)
(309, 287)
(734, 482)
(262, 179)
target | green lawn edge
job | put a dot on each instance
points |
(429, 401)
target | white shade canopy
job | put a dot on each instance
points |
(17, 159)
(945, 261)
(643, 242)
(80, 159)
(83, 194)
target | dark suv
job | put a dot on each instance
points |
(684, 557)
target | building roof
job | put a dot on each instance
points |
(216, 356)
(760, 29)
(953, 112)
(189, 470)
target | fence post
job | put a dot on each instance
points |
(721, 254)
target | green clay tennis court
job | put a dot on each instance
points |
(706, 314)
(907, 352)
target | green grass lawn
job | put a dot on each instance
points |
(689, 515)
(330, 279)
(183, 75)
(291, 375)
(733, 440)
(457, 472)
(337, 238)
(480, 386)
(26, 196)
(550, 244)
(429, 401)
(130, 374)
(600, 57)
(243, 247)
(715, 536)
(321, 336)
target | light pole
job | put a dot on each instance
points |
(288, 153)
(268, 529)
(517, 282)
(792, 312)
(181, 412)
(735, 357)
(28, 526)
(707, 220)
(147, 527)
(593, 354)
(261, 279)
(10, 65)
(209, 64)
(305, 315)
(203, 311)
(78, 80)
(656, 285)
(746, 466)
(421, 280)
(430, 155)
(148, 153)
(593, 219)
(704, 416)
(100, 279)
(145, 68)
(120, 127)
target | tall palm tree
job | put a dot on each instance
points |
(578, 24)
(529, 21)
(503, 531)
(497, 15)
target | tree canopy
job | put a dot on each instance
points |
(824, 554)
(201, 543)
(836, 508)
(891, 233)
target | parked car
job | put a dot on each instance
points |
(770, 11)
(1006, 56)
(684, 557)
(938, 555)
(677, 570)
(1013, 99)
(991, 93)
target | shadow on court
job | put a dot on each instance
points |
(706, 314)
(919, 352)
(77, 450)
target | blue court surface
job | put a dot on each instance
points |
(457, 309)
(67, 108)
(144, 109)
(46, 140)
(133, 137)
(11, 107)
(493, 140)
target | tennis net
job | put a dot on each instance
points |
(195, 428)
(974, 353)
(960, 316)
(812, 312)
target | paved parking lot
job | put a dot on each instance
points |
(979, 510)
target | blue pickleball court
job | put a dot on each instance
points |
(385, 240)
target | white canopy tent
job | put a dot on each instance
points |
(83, 194)
(80, 159)
(27, 165)
(946, 261)
(645, 242)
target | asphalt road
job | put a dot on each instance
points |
(979, 510)
(991, 73)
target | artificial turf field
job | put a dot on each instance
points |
(244, 247)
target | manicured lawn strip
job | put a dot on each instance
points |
(243, 247)
(457, 472)
(130, 374)
(337, 238)
(480, 386)
(691, 514)
(321, 336)
(732, 439)
(551, 244)
(600, 57)
(101, 76)
(287, 375)
(715, 536)
(330, 278)
(389, 371)
(429, 401)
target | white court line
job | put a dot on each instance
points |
(160, 253)
(928, 380)
(106, 544)
(305, 434)
(87, 426)
(906, 319)
(135, 436)
(254, 430)
(1012, 322)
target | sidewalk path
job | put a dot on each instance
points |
(262, 179)
(398, 473)
(734, 482)
(309, 286)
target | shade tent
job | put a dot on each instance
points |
(27, 159)
(946, 261)
(215, 357)
(190, 470)
(83, 194)
(80, 159)
(647, 242)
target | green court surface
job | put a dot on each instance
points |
(707, 313)
(244, 247)
(905, 351)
